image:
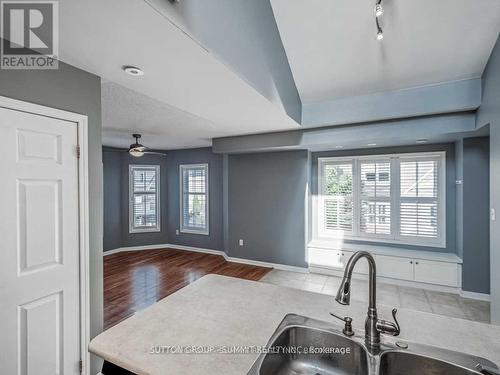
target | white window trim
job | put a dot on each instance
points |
(188, 230)
(132, 228)
(394, 238)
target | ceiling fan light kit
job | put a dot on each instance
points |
(136, 149)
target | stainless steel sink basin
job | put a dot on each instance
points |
(289, 353)
(286, 361)
(398, 363)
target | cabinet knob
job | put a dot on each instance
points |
(411, 261)
(416, 262)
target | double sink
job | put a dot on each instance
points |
(304, 346)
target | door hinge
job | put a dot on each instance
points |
(78, 152)
(81, 366)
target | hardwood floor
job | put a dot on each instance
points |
(136, 279)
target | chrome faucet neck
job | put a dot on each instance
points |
(373, 326)
(372, 274)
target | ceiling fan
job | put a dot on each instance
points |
(137, 150)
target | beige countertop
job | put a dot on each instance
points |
(228, 312)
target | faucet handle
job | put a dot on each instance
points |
(348, 324)
(389, 328)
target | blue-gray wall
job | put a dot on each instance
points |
(261, 198)
(148, 238)
(74, 90)
(266, 208)
(459, 195)
(476, 229)
(214, 240)
(450, 186)
(447, 97)
(112, 216)
(489, 113)
(116, 199)
(404, 131)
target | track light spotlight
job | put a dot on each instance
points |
(380, 32)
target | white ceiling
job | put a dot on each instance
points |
(162, 126)
(333, 53)
(187, 96)
(203, 98)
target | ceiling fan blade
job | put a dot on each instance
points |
(116, 150)
(155, 153)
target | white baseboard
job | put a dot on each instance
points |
(197, 249)
(135, 248)
(474, 295)
(277, 266)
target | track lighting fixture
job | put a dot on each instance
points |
(378, 13)
(380, 32)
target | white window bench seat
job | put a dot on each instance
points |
(424, 269)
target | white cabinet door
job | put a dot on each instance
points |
(325, 258)
(432, 272)
(394, 267)
(39, 257)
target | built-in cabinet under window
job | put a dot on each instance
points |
(425, 267)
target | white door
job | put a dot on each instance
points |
(39, 255)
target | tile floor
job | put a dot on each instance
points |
(392, 295)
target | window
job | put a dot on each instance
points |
(419, 198)
(385, 198)
(144, 195)
(337, 198)
(194, 198)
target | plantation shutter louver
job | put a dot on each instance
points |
(338, 197)
(419, 198)
(375, 197)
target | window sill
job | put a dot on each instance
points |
(136, 231)
(189, 231)
(438, 245)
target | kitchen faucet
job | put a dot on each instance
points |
(373, 326)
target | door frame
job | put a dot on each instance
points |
(83, 214)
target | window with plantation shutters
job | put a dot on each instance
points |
(337, 197)
(419, 198)
(396, 198)
(144, 207)
(194, 198)
(375, 197)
